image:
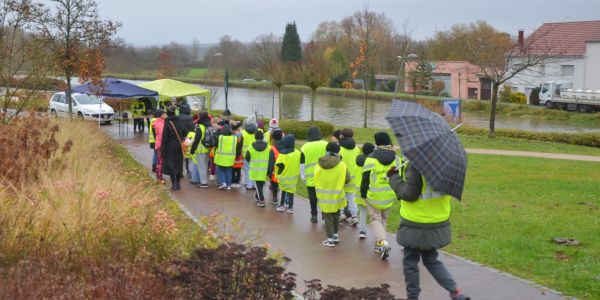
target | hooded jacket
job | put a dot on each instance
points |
(259, 146)
(413, 234)
(384, 156)
(185, 117)
(286, 146)
(204, 119)
(314, 134)
(330, 162)
(348, 143)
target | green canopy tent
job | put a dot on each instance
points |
(169, 88)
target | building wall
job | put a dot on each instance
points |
(552, 71)
(592, 66)
(459, 85)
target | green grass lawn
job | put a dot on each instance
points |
(196, 72)
(362, 135)
(511, 209)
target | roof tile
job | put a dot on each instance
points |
(563, 39)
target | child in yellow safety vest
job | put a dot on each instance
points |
(225, 156)
(287, 168)
(360, 201)
(331, 176)
(257, 158)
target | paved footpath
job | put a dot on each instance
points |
(350, 264)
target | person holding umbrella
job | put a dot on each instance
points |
(435, 173)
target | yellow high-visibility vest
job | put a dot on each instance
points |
(291, 171)
(380, 194)
(432, 207)
(312, 152)
(249, 138)
(349, 158)
(329, 185)
(138, 109)
(151, 138)
(259, 161)
(225, 154)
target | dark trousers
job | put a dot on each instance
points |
(236, 175)
(259, 190)
(138, 124)
(274, 190)
(435, 267)
(312, 197)
(332, 223)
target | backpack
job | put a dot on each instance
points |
(209, 139)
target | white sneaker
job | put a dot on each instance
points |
(290, 211)
(362, 235)
(385, 249)
(336, 238)
(236, 185)
(342, 218)
(328, 243)
(211, 177)
(353, 221)
(228, 188)
(280, 208)
(222, 186)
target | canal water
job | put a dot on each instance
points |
(349, 111)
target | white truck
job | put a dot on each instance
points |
(561, 95)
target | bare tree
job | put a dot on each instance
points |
(313, 71)
(500, 56)
(23, 61)
(78, 38)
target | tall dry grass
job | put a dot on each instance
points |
(83, 203)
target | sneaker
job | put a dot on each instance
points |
(275, 202)
(290, 211)
(202, 186)
(248, 188)
(343, 218)
(228, 188)
(329, 243)
(261, 204)
(222, 186)
(236, 185)
(385, 250)
(377, 249)
(280, 208)
(211, 177)
(458, 295)
(353, 221)
(313, 219)
(362, 235)
(336, 238)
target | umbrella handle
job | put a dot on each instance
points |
(456, 128)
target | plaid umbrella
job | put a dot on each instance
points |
(430, 145)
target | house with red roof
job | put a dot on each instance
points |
(573, 52)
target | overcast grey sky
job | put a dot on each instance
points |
(154, 22)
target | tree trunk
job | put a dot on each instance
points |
(312, 105)
(68, 97)
(492, 134)
(280, 103)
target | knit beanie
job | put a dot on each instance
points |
(332, 148)
(259, 135)
(260, 124)
(367, 148)
(382, 139)
(277, 135)
(274, 123)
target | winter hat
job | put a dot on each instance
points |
(347, 133)
(260, 124)
(382, 139)
(332, 148)
(235, 125)
(368, 148)
(336, 134)
(259, 135)
(274, 123)
(157, 113)
(277, 135)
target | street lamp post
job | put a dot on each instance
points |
(400, 80)
(209, 63)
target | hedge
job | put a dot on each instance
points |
(581, 139)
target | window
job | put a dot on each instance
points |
(88, 99)
(542, 69)
(60, 98)
(567, 70)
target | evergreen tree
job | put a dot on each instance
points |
(291, 50)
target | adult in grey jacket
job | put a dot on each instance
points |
(420, 239)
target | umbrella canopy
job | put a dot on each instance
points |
(428, 142)
(169, 88)
(115, 88)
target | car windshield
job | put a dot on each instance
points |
(87, 99)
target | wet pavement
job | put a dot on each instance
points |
(350, 264)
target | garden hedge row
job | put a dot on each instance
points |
(581, 139)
